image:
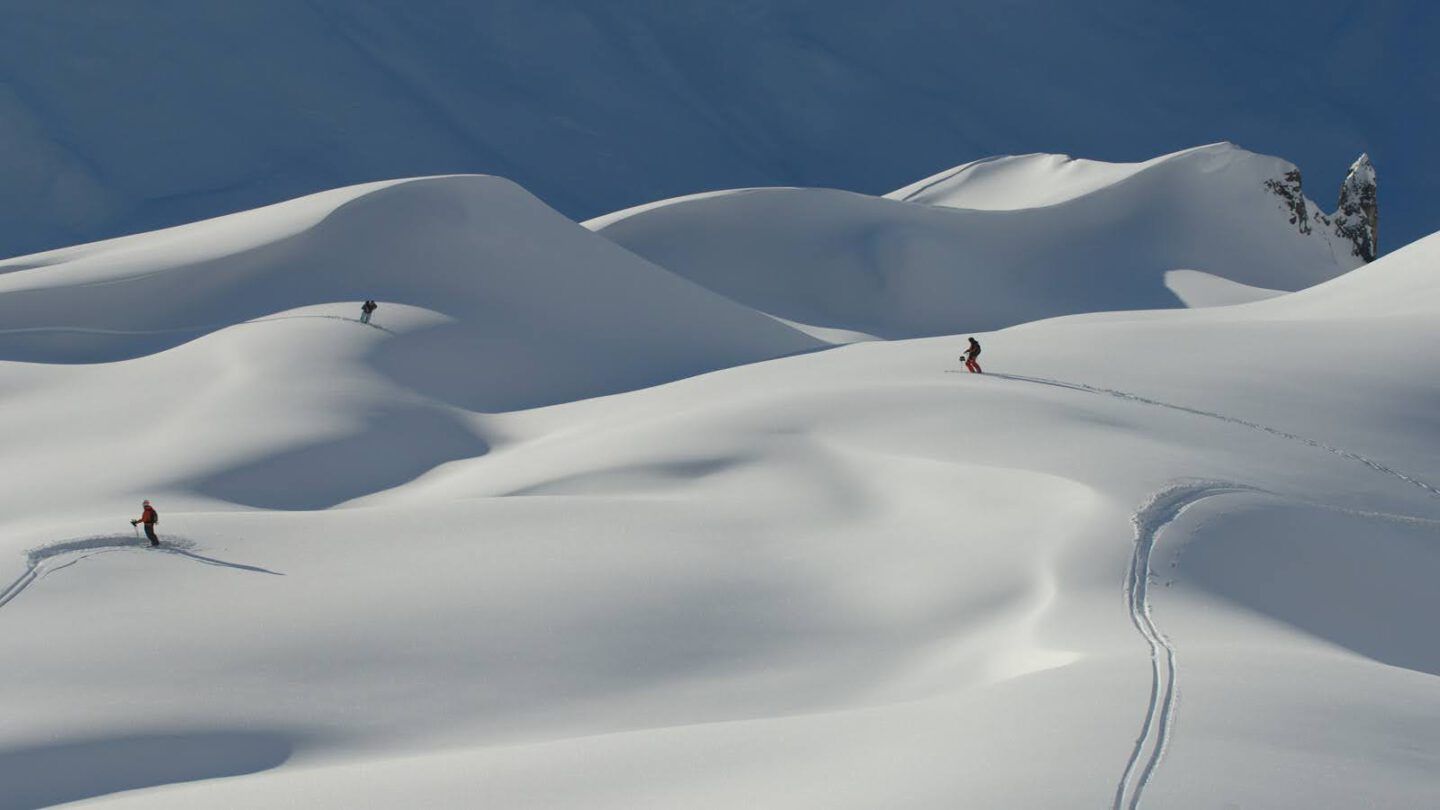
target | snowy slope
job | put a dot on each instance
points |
(1037, 236)
(118, 117)
(517, 282)
(839, 579)
(489, 301)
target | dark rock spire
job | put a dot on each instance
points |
(1357, 216)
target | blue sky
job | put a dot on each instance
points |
(125, 116)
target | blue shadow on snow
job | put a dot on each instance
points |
(56, 773)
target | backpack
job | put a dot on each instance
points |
(156, 513)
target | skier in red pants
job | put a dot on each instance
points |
(970, 355)
(149, 517)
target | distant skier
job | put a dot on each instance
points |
(367, 308)
(970, 355)
(149, 517)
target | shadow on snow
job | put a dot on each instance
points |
(57, 773)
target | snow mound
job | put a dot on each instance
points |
(517, 286)
(1096, 237)
(1196, 289)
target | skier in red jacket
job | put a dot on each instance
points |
(149, 517)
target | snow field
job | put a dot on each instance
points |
(549, 535)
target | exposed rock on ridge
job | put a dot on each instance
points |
(1356, 217)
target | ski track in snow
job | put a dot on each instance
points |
(38, 560)
(1154, 737)
(1158, 512)
(1152, 517)
(1329, 448)
(13, 589)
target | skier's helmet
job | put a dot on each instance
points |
(147, 503)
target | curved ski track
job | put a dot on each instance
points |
(35, 570)
(36, 560)
(1152, 517)
(1150, 745)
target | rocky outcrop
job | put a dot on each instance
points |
(1293, 196)
(1357, 216)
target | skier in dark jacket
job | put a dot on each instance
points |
(149, 517)
(365, 310)
(970, 355)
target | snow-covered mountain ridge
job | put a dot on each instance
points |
(1009, 182)
(992, 244)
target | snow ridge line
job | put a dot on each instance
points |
(942, 178)
(1319, 445)
(207, 328)
(1150, 745)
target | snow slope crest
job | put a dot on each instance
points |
(992, 243)
(1007, 183)
(1010, 182)
(478, 251)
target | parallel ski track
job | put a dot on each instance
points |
(1154, 737)
(36, 570)
(13, 589)
(1152, 517)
